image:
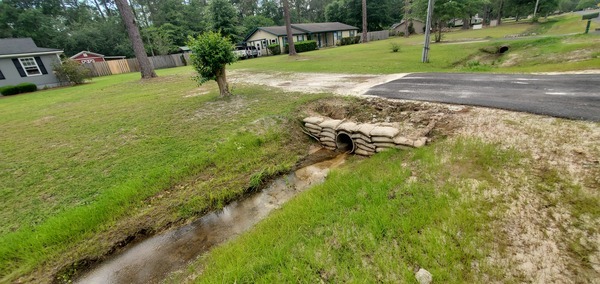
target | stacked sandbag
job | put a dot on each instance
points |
(312, 125)
(383, 137)
(362, 140)
(368, 138)
(328, 132)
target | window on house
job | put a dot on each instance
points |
(30, 66)
(352, 33)
(2, 75)
(337, 36)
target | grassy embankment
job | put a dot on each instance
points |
(376, 220)
(527, 54)
(85, 167)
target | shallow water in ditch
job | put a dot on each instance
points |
(153, 259)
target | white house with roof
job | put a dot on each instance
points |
(22, 61)
(325, 34)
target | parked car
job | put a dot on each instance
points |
(251, 51)
(240, 52)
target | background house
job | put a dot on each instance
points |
(325, 34)
(92, 57)
(21, 60)
(418, 25)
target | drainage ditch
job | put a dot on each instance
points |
(150, 261)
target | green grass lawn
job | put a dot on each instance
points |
(567, 24)
(78, 161)
(450, 55)
(86, 167)
(376, 220)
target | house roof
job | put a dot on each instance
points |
(10, 47)
(324, 27)
(298, 29)
(402, 22)
(93, 54)
(280, 30)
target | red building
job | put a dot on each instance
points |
(92, 57)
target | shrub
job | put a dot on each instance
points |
(71, 72)
(411, 28)
(211, 52)
(350, 40)
(274, 49)
(18, 89)
(303, 46)
(395, 47)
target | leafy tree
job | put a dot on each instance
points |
(270, 9)
(253, 22)
(246, 8)
(443, 11)
(335, 11)
(567, 5)
(584, 4)
(71, 72)
(211, 52)
(161, 40)
(381, 14)
(223, 18)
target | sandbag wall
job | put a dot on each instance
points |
(367, 139)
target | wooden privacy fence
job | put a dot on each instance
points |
(113, 67)
(380, 35)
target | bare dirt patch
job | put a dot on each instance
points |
(340, 84)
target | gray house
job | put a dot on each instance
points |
(22, 61)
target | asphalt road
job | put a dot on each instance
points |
(567, 96)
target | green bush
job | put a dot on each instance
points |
(395, 47)
(18, 89)
(350, 40)
(71, 72)
(303, 46)
(274, 49)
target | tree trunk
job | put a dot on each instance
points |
(222, 82)
(500, 12)
(99, 10)
(406, 17)
(365, 35)
(108, 12)
(136, 40)
(466, 23)
(485, 16)
(288, 28)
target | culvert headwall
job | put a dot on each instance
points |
(364, 139)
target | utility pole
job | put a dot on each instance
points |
(425, 57)
(536, 6)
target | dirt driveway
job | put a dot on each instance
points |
(339, 84)
(549, 224)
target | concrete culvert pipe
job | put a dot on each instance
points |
(503, 49)
(344, 142)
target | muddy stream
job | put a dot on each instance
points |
(151, 260)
